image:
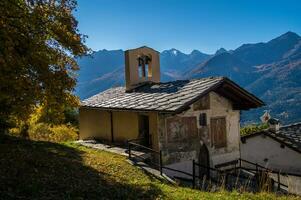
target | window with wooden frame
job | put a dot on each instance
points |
(218, 132)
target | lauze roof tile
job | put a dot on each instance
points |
(167, 97)
(163, 97)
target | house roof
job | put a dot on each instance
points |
(142, 48)
(174, 96)
(289, 135)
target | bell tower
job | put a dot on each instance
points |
(142, 65)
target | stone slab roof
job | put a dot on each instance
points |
(289, 135)
(164, 97)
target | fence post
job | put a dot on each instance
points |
(256, 168)
(278, 181)
(235, 169)
(160, 162)
(129, 146)
(240, 163)
(193, 174)
(226, 180)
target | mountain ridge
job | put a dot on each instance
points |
(265, 68)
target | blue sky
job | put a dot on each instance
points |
(205, 25)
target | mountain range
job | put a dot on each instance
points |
(270, 70)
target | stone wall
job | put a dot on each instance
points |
(181, 136)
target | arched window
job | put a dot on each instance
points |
(144, 68)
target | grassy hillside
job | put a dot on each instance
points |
(43, 170)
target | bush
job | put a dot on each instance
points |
(249, 129)
(52, 133)
(62, 133)
(20, 129)
(16, 131)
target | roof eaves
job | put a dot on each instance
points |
(247, 93)
(127, 109)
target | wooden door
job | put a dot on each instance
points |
(144, 130)
(218, 132)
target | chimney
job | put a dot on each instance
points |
(274, 125)
(142, 65)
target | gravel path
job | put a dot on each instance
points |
(105, 147)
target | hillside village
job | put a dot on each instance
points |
(179, 126)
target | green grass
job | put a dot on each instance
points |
(44, 170)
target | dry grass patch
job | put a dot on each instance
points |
(44, 170)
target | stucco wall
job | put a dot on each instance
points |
(265, 151)
(178, 154)
(125, 126)
(96, 123)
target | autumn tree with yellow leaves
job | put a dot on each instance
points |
(39, 43)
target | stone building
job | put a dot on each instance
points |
(185, 119)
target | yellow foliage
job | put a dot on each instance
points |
(15, 131)
(252, 129)
(35, 128)
(36, 115)
(64, 133)
(40, 131)
(52, 133)
(40, 42)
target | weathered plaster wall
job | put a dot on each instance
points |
(220, 106)
(179, 152)
(294, 185)
(96, 123)
(180, 145)
(268, 152)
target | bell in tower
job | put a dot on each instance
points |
(142, 65)
(144, 70)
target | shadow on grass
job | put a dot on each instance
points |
(44, 170)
